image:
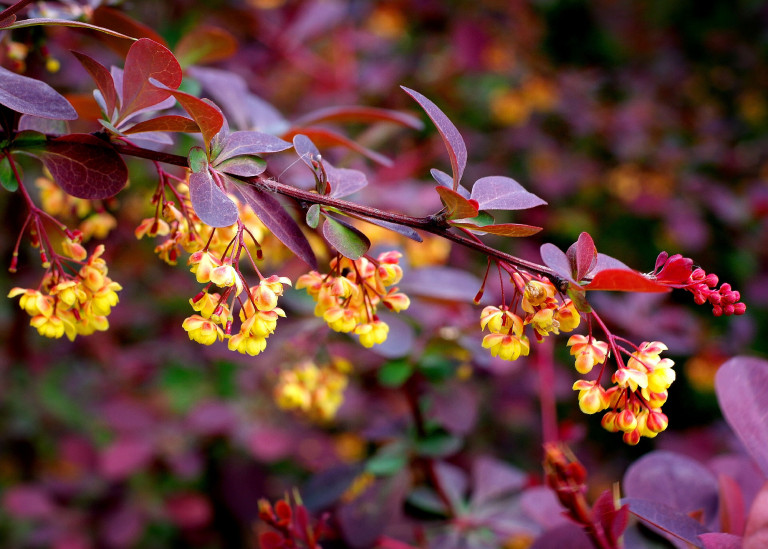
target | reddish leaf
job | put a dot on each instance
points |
(568, 535)
(344, 181)
(205, 44)
(502, 229)
(503, 193)
(84, 166)
(167, 123)
(613, 520)
(619, 280)
(124, 457)
(119, 21)
(280, 224)
(583, 256)
(672, 524)
(103, 79)
(446, 181)
(756, 532)
(732, 513)
(345, 238)
(148, 60)
(554, 258)
(358, 114)
(246, 142)
(29, 96)
(719, 540)
(211, 204)
(323, 137)
(208, 117)
(457, 150)
(7, 21)
(28, 502)
(457, 206)
(741, 385)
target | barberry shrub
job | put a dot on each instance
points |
(285, 255)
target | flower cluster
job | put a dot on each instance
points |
(315, 391)
(348, 297)
(639, 390)
(71, 305)
(678, 271)
(92, 222)
(543, 310)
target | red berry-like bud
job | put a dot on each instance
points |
(739, 308)
(632, 437)
(626, 420)
(711, 280)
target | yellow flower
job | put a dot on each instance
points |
(69, 292)
(33, 301)
(341, 320)
(245, 343)
(588, 352)
(226, 276)
(152, 227)
(506, 346)
(567, 316)
(500, 321)
(536, 294)
(105, 298)
(396, 301)
(202, 330)
(544, 322)
(372, 333)
(628, 377)
(592, 397)
(48, 326)
(202, 264)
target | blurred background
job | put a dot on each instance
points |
(643, 123)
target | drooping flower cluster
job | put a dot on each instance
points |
(315, 391)
(71, 305)
(93, 223)
(542, 309)
(640, 388)
(348, 297)
(679, 272)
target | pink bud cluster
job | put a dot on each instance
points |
(678, 272)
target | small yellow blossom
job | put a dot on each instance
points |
(372, 333)
(588, 352)
(202, 330)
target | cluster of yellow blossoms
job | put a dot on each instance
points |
(315, 391)
(639, 390)
(543, 312)
(71, 305)
(348, 297)
(91, 223)
(258, 308)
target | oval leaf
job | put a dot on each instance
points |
(456, 205)
(250, 143)
(502, 229)
(29, 96)
(168, 123)
(84, 166)
(197, 159)
(147, 59)
(457, 149)
(7, 177)
(445, 180)
(670, 523)
(620, 280)
(497, 192)
(344, 181)
(358, 114)
(345, 238)
(554, 258)
(313, 216)
(208, 118)
(741, 385)
(211, 204)
(583, 255)
(243, 166)
(276, 219)
(205, 44)
(103, 79)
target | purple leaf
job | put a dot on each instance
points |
(27, 502)
(583, 255)
(554, 258)
(492, 478)
(568, 535)
(741, 385)
(671, 523)
(84, 166)
(756, 532)
(607, 262)
(677, 481)
(308, 152)
(103, 79)
(124, 457)
(453, 483)
(732, 513)
(497, 192)
(249, 143)
(243, 166)
(441, 283)
(228, 89)
(358, 114)
(211, 204)
(457, 150)
(455, 407)
(719, 540)
(445, 180)
(400, 339)
(48, 126)
(394, 227)
(345, 238)
(147, 59)
(29, 96)
(276, 219)
(344, 181)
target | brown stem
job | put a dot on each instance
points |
(14, 9)
(428, 224)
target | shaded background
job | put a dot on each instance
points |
(643, 123)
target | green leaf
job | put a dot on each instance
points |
(436, 368)
(438, 445)
(197, 159)
(7, 179)
(389, 460)
(395, 373)
(349, 241)
(313, 216)
(481, 219)
(29, 139)
(579, 298)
